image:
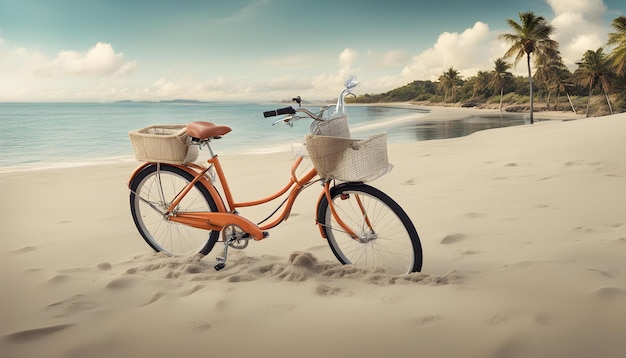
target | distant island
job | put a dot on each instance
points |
(183, 101)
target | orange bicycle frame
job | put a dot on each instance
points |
(226, 210)
(226, 214)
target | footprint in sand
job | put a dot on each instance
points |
(498, 318)
(35, 333)
(241, 278)
(452, 239)
(105, 266)
(122, 283)
(323, 290)
(58, 279)
(473, 215)
(23, 250)
(583, 229)
(157, 296)
(603, 273)
(426, 320)
(545, 318)
(201, 326)
(72, 305)
(611, 293)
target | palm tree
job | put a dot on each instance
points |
(618, 39)
(594, 71)
(531, 35)
(449, 82)
(500, 76)
(563, 75)
(549, 71)
(481, 84)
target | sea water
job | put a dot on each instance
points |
(49, 135)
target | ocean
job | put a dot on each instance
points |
(55, 135)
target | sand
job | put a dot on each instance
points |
(524, 237)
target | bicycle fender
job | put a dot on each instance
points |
(317, 215)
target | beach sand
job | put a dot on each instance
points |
(524, 237)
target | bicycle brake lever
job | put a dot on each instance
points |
(286, 120)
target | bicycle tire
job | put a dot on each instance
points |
(393, 244)
(158, 184)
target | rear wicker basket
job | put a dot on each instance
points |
(349, 160)
(163, 143)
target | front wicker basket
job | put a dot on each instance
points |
(336, 127)
(163, 143)
(349, 160)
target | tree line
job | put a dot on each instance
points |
(598, 73)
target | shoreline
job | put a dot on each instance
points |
(435, 113)
(456, 112)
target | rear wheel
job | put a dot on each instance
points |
(386, 235)
(152, 191)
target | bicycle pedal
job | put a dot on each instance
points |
(221, 263)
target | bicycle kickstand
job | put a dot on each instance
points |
(236, 239)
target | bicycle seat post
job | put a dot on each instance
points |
(208, 145)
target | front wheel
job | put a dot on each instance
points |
(152, 191)
(385, 234)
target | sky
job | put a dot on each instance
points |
(265, 50)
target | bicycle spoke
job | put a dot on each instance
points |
(152, 192)
(386, 237)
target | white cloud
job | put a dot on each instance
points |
(467, 52)
(579, 26)
(395, 58)
(347, 57)
(100, 60)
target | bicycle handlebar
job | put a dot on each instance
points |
(280, 111)
(339, 108)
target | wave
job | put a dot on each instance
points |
(49, 165)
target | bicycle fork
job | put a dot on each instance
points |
(341, 223)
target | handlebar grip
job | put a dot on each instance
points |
(278, 112)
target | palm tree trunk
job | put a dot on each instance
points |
(589, 100)
(501, 95)
(570, 102)
(530, 79)
(556, 100)
(609, 102)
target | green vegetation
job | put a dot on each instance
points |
(597, 86)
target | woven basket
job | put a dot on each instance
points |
(163, 143)
(337, 127)
(349, 160)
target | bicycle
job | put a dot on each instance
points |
(178, 209)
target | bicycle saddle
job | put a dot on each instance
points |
(206, 130)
